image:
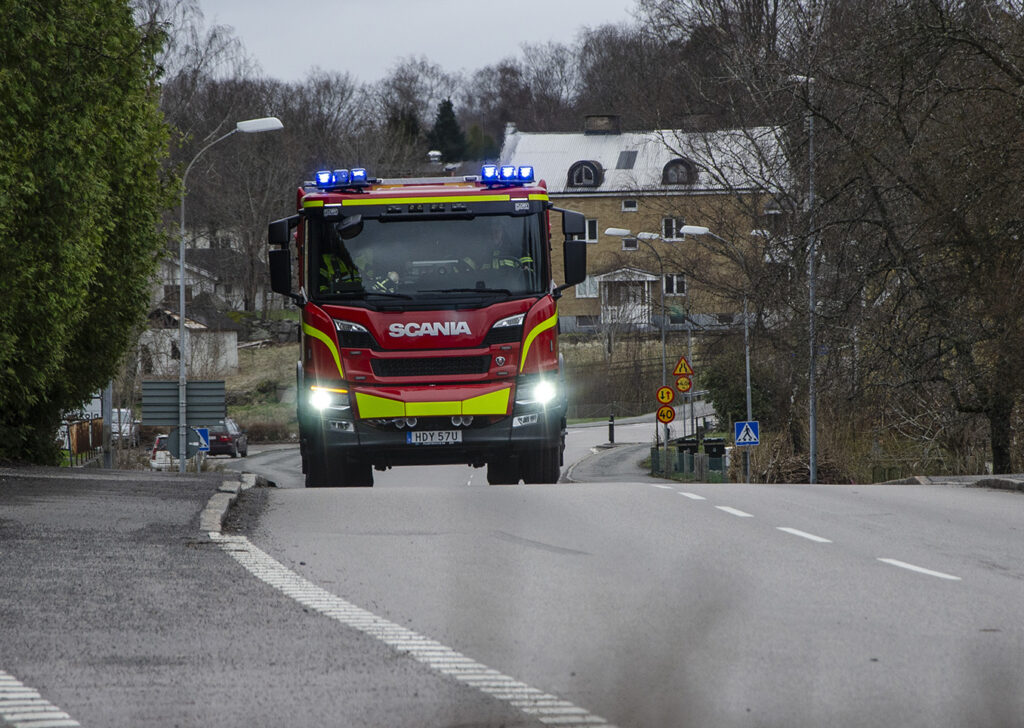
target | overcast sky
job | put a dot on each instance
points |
(368, 37)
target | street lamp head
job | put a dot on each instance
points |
(252, 126)
(617, 232)
(694, 230)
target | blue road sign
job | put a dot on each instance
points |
(204, 438)
(747, 433)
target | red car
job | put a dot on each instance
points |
(227, 438)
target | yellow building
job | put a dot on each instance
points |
(652, 182)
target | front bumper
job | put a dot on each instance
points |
(384, 444)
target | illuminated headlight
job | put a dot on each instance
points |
(544, 391)
(322, 398)
(536, 393)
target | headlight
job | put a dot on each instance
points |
(516, 320)
(536, 392)
(349, 327)
(322, 398)
(544, 391)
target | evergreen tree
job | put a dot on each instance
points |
(446, 136)
(81, 147)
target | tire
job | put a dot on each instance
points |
(335, 472)
(356, 474)
(503, 472)
(546, 467)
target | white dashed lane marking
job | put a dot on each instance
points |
(692, 496)
(548, 709)
(803, 534)
(919, 569)
(23, 707)
(734, 511)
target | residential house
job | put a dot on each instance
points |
(653, 182)
(211, 340)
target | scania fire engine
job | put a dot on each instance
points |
(429, 323)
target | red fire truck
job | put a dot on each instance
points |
(429, 323)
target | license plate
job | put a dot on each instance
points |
(433, 437)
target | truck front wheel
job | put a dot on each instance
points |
(545, 466)
(503, 471)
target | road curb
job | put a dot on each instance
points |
(216, 510)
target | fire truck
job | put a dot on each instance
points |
(429, 323)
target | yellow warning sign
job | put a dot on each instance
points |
(683, 368)
(666, 395)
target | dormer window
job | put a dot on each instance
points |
(679, 172)
(585, 174)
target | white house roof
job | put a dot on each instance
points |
(633, 162)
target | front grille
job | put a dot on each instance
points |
(431, 366)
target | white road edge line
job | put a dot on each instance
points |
(734, 511)
(548, 708)
(803, 534)
(919, 569)
(21, 705)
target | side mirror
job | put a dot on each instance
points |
(280, 271)
(573, 223)
(279, 232)
(575, 260)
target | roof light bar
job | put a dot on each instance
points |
(506, 174)
(327, 179)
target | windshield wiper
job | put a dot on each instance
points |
(504, 291)
(387, 294)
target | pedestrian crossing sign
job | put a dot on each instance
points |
(747, 433)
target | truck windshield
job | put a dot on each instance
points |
(499, 254)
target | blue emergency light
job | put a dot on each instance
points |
(506, 174)
(327, 179)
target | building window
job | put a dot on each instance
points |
(587, 289)
(679, 172)
(630, 206)
(591, 236)
(626, 160)
(630, 244)
(671, 228)
(675, 284)
(585, 174)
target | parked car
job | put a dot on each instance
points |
(160, 457)
(227, 438)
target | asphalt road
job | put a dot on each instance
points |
(434, 600)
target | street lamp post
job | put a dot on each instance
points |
(249, 126)
(812, 439)
(646, 238)
(701, 230)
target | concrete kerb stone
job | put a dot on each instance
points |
(216, 509)
(1016, 484)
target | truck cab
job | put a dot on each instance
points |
(429, 323)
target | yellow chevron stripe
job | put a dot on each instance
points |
(534, 333)
(321, 336)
